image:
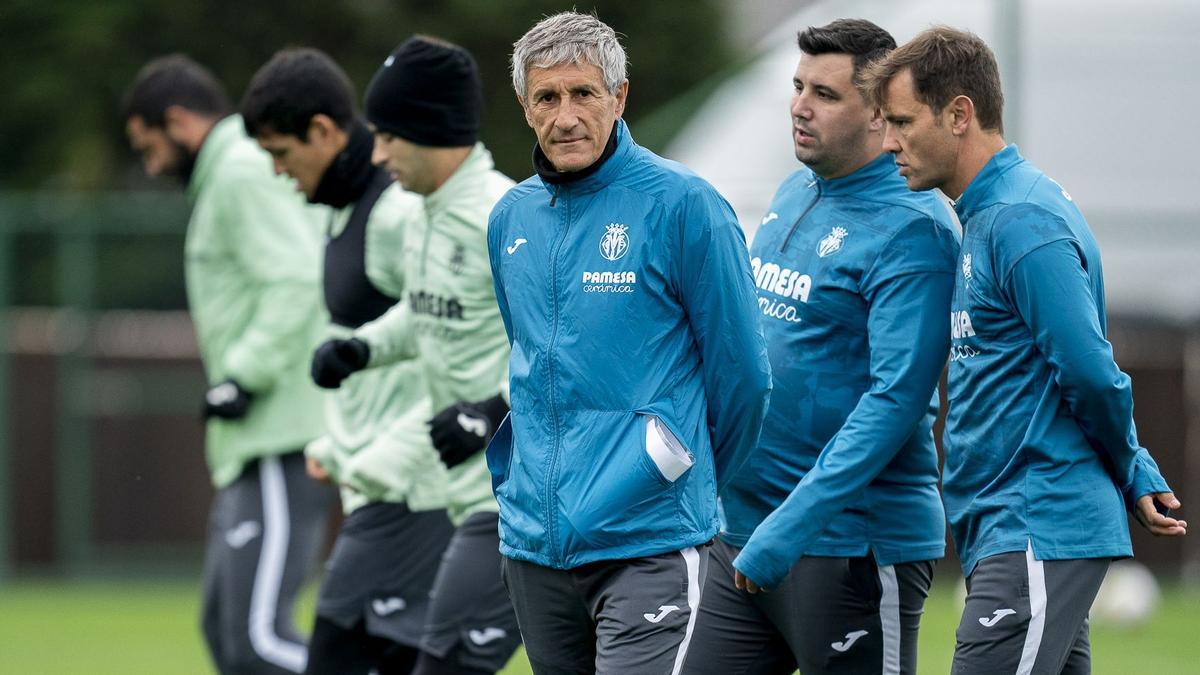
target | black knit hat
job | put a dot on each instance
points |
(427, 92)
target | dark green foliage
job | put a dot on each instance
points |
(66, 64)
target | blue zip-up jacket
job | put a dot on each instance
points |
(1040, 443)
(854, 278)
(638, 373)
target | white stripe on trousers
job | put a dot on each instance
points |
(889, 619)
(1037, 612)
(691, 560)
(269, 576)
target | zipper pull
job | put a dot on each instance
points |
(804, 213)
(554, 196)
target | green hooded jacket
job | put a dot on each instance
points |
(377, 446)
(449, 318)
(253, 282)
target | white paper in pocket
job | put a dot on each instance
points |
(667, 453)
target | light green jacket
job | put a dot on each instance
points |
(449, 318)
(253, 281)
(377, 446)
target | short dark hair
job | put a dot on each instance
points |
(171, 80)
(294, 86)
(858, 38)
(945, 62)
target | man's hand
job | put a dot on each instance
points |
(315, 471)
(335, 360)
(745, 583)
(226, 400)
(463, 429)
(1158, 522)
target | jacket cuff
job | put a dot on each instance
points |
(321, 449)
(758, 571)
(1146, 480)
(241, 366)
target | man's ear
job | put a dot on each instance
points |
(876, 123)
(525, 109)
(175, 118)
(961, 112)
(622, 94)
(320, 128)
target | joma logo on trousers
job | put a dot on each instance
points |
(996, 616)
(663, 611)
(388, 606)
(851, 638)
(240, 535)
(489, 634)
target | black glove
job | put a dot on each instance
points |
(463, 429)
(335, 360)
(226, 400)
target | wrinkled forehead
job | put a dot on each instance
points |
(571, 73)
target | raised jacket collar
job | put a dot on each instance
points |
(477, 162)
(860, 180)
(979, 193)
(224, 134)
(611, 163)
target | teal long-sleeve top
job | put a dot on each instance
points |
(854, 277)
(1041, 448)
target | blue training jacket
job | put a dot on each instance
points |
(638, 373)
(1040, 443)
(854, 279)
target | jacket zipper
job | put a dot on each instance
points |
(425, 244)
(552, 464)
(802, 215)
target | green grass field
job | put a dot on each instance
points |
(135, 627)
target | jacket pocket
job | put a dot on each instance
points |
(666, 452)
(499, 452)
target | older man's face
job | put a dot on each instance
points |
(572, 112)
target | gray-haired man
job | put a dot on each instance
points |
(638, 372)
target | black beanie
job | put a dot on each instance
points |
(427, 92)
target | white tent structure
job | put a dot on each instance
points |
(1101, 94)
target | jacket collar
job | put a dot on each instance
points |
(979, 193)
(477, 162)
(880, 168)
(220, 138)
(605, 170)
(350, 173)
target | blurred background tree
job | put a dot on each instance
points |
(66, 64)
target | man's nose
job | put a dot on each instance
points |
(567, 115)
(890, 142)
(800, 106)
(378, 156)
